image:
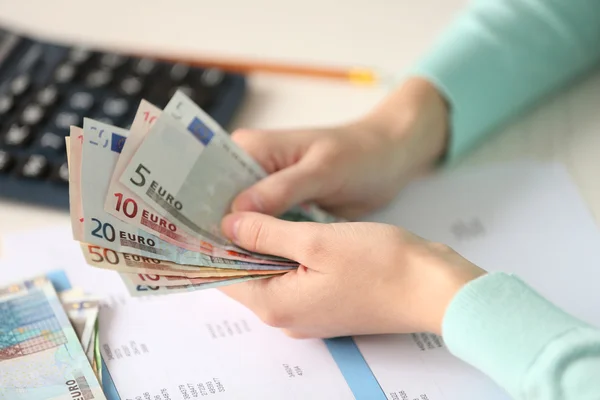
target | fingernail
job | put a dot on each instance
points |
(249, 201)
(230, 226)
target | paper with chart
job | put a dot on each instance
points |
(520, 217)
(220, 350)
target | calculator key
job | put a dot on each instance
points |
(144, 66)
(47, 96)
(18, 136)
(131, 86)
(20, 84)
(6, 161)
(52, 141)
(65, 73)
(35, 167)
(212, 77)
(178, 72)
(32, 114)
(115, 107)
(81, 101)
(6, 104)
(65, 119)
(112, 61)
(99, 78)
(61, 173)
(79, 55)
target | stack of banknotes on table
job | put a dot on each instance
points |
(148, 201)
(49, 346)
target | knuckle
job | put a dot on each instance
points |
(275, 318)
(440, 247)
(248, 140)
(314, 244)
(295, 334)
(240, 135)
(320, 163)
(284, 190)
(257, 234)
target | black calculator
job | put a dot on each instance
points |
(47, 87)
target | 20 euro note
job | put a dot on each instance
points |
(100, 150)
(104, 258)
(131, 209)
(188, 168)
(40, 354)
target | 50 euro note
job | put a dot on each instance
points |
(100, 150)
(40, 354)
(104, 258)
(189, 169)
(130, 208)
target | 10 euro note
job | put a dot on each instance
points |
(139, 290)
(101, 147)
(40, 354)
(189, 169)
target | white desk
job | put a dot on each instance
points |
(381, 33)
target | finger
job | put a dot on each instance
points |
(253, 143)
(271, 149)
(273, 299)
(264, 234)
(350, 212)
(280, 191)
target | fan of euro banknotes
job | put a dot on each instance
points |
(148, 201)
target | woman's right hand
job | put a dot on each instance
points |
(352, 169)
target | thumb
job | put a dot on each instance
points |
(265, 234)
(280, 191)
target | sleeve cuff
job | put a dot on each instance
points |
(500, 325)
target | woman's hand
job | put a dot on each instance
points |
(352, 169)
(354, 278)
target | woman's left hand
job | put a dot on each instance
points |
(354, 278)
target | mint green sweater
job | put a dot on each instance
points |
(498, 59)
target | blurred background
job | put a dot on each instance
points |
(382, 36)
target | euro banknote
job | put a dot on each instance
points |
(74, 163)
(40, 354)
(82, 311)
(109, 259)
(204, 172)
(162, 280)
(139, 290)
(100, 150)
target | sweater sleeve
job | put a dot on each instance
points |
(500, 57)
(527, 345)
